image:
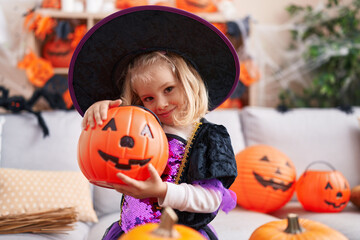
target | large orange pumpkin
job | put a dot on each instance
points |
(127, 142)
(196, 6)
(266, 178)
(58, 52)
(323, 191)
(166, 230)
(293, 228)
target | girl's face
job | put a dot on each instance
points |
(162, 93)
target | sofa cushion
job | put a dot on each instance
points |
(26, 191)
(308, 135)
(239, 223)
(106, 200)
(231, 120)
(24, 146)
(97, 231)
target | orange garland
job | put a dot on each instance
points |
(38, 70)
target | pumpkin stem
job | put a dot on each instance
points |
(293, 226)
(166, 226)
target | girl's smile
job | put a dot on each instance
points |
(161, 92)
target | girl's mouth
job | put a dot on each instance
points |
(166, 114)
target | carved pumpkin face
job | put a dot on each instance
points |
(266, 178)
(196, 5)
(127, 142)
(323, 191)
(58, 52)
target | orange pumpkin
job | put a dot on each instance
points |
(323, 191)
(127, 142)
(196, 6)
(166, 230)
(293, 228)
(58, 52)
(266, 178)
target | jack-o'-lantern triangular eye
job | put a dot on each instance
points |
(328, 185)
(111, 124)
(265, 158)
(147, 132)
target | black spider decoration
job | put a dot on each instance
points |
(52, 92)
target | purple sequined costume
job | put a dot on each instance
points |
(139, 211)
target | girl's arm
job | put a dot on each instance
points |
(191, 198)
(97, 112)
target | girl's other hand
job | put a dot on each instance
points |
(151, 187)
(97, 112)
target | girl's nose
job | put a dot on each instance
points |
(162, 104)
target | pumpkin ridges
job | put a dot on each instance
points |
(253, 185)
(312, 193)
(312, 230)
(104, 156)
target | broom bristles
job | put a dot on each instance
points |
(57, 220)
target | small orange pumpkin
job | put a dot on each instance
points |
(58, 52)
(294, 228)
(196, 6)
(323, 191)
(166, 230)
(127, 142)
(266, 178)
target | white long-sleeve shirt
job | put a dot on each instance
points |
(188, 197)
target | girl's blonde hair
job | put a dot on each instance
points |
(195, 91)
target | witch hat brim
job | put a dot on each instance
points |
(107, 47)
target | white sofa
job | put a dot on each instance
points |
(304, 135)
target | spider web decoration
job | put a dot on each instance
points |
(283, 67)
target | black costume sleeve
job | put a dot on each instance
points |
(210, 156)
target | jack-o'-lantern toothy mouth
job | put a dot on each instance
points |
(282, 186)
(334, 204)
(115, 160)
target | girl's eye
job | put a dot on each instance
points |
(148, 99)
(169, 89)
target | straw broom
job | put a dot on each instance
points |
(51, 221)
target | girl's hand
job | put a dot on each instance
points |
(151, 187)
(97, 112)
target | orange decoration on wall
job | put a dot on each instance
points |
(249, 73)
(196, 6)
(221, 26)
(123, 4)
(38, 70)
(51, 4)
(129, 140)
(323, 191)
(44, 27)
(266, 178)
(78, 34)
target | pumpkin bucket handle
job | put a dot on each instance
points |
(324, 162)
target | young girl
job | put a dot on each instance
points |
(201, 165)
